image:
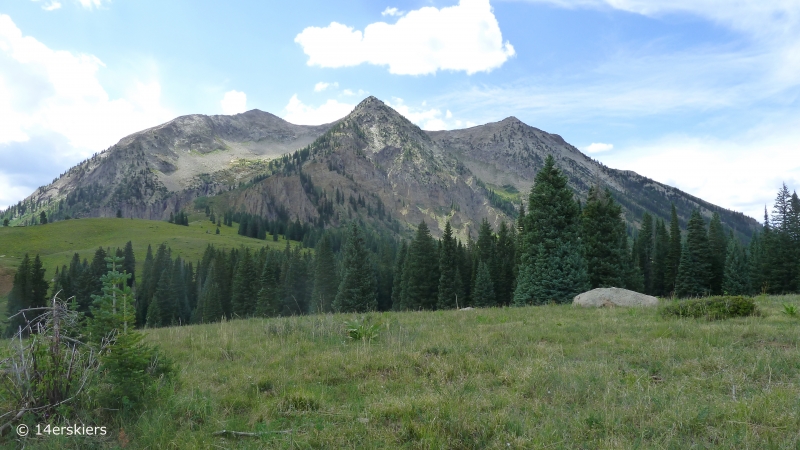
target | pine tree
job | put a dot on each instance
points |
(505, 258)
(644, 251)
(158, 313)
(552, 247)
(397, 285)
(357, 286)
(604, 240)
(693, 278)
(129, 263)
(447, 270)
(113, 311)
(20, 296)
(754, 264)
(210, 303)
(660, 255)
(325, 277)
(673, 253)
(483, 290)
(243, 295)
(421, 272)
(717, 246)
(736, 280)
(269, 300)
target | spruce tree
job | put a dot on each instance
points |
(604, 239)
(660, 256)
(269, 299)
(243, 294)
(717, 246)
(754, 264)
(483, 290)
(505, 258)
(552, 247)
(129, 263)
(673, 253)
(397, 284)
(736, 280)
(357, 287)
(421, 273)
(447, 270)
(693, 278)
(142, 297)
(20, 296)
(325, 277)
(644, 251)
(38, 285)
(158, 313)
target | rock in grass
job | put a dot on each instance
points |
(613, 297)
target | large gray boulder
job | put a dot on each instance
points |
(613, 297)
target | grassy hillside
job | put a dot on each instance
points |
(58, 241)
(535, 377)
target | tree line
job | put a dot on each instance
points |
(559, 248)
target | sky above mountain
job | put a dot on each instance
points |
(698, 94)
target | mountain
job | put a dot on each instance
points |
(372, 165)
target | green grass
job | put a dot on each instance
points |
(57, 242)
(522, 378)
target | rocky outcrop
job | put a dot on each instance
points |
(610, 297)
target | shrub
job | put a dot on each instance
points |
(712, 308)
(362, 330)
(790, 310)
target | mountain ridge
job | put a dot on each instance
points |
(258, 163)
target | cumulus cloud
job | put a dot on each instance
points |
(299, 113)
(51, 6)
(465, 37)
(426, 118)
(57, 94)
(392, 11)
(350, 92)
(233, 102)
(597, 147)
(321, 86)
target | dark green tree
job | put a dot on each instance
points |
(693, 278)
(357, 291)
(43, 218)
(243, 292)
(551, 243)
(604, 239)
(505, 259)
(397, 284)
(673, 253)
(483, 290)
(421, 272)
(736, 280)
(644, 251)
(717, 246)
(660, 257)
(20, 296)
(129, 263)
(447, 270)
(326, 280)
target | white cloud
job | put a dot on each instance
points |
(233, 102)
(57, 94)
(321, 86)
(392, 12)
(350, 93)
(89, 4)
(465, 37)
(298, 113)
(430, 119)
(51, 6)
(597, 147)
(726, 172)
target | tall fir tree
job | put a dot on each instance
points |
(693, 278)
(243, 294)
(447, 296)
(552, 265)
(357, 291)
(736, 279)
(660, 256)
(644, 251)
(142, 297)
(717, 246)
(129, 263)
(269, 298)
(421, 272)
(397, 284)
(483, 290)
(505, 258)
(673, 253)
(325, 277)
(20, 296)
(604, 239)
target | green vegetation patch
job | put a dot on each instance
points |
(712, 308)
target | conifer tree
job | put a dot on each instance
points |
(505, 258)
(325, 277)
(210, 303)
(269, 299)
(113, 311)
(447, 270)
(693, 278)
(552, 266)
(20, 296)
(243, 295)
(483, 290)
(644, 251)
(421, 271)
(673, 253)
(397, 284)
(142, 297)
(660, 254)
(755, 264)
(159, 311)
(38, 284)
(129, 263)
(357, 287)
(604, 240)
(717, 246)
(736, 280)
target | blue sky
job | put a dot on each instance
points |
(699, 94)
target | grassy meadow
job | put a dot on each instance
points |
(57, 242)
(536, 377)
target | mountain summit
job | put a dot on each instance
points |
(373, 165)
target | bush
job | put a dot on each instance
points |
(712, 308)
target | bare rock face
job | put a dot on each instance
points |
(613, 297)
